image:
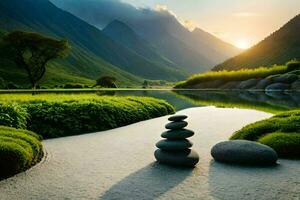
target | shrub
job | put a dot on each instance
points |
(13, 115)
(286, 144)
(293, 65)
(57, 119)
(281, 132)
(19, 150)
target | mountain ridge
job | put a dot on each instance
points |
(281, 46)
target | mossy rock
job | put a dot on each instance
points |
(248, 83)
(281, 132)
(286, 144)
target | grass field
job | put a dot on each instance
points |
(239, 75)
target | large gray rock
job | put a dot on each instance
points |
(177, 134)
(174, 145)
(285, 78)
(185, 158)
(230, 85)
(278, 87)
(262, 84)
(176, 125)
(244, 152)
(248, 84)
(296, 85)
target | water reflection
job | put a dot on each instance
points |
(270, 102)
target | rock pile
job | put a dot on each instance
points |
(175, 148)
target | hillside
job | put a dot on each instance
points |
(125, 35)
(93, 53)
(187, 50)
(280, 47)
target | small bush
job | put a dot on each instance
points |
(286, 144)
(19, 150)
(293, 65)
(13, 115)
(281, 132)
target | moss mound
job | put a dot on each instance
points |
(281, 132)
(19, 150)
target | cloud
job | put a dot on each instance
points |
(189, 24)
(246, 14)
(164, 9)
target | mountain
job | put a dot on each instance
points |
(93, 53)
(280, 47)
(126, 36)
(172, 41)
(214, 46)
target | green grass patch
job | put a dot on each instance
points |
(228, 76)
(19, 150)
(281, 132)
(63, 115)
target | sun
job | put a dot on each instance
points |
(242, 44)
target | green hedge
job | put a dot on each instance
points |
(53, 119)
(13, 115)
(19, 150)
(281, 132)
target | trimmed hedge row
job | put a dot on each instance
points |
(281, 132)
(19, 150)
(53, 119)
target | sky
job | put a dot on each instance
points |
(240, 22)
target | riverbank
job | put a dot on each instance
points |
(120, 164)
(276, 78)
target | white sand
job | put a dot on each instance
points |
(119, 164)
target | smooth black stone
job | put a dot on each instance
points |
(244, 152)
(176, 125)
(177, 118)
(174, 145)
(185, 158)
(177, 134)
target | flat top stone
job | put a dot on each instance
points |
(177, 134)
(174, 144)
(176, 125)
(244, 152)
(177, 118)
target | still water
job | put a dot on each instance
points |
(269, 102)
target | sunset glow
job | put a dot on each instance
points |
(242, 44)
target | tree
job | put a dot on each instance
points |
(33, 51)
(107, 82)
(145, 84)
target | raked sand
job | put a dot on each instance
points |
(119, 164)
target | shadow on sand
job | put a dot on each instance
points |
(149, 182)
(241, 182)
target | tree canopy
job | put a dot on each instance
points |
(107, 82)
(33, 51)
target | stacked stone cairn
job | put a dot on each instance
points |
(175, 148)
